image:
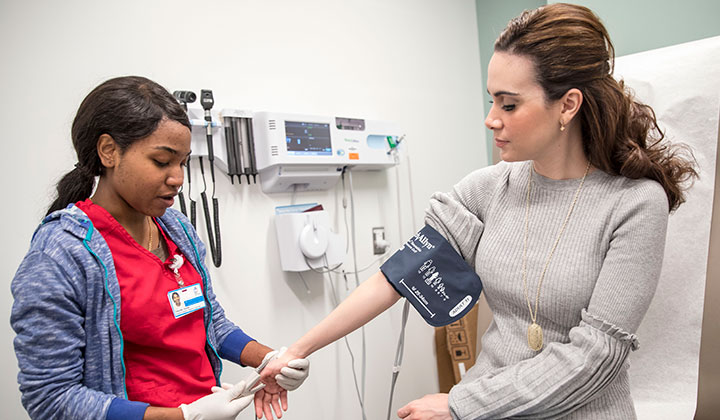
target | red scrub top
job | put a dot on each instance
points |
(165, 358)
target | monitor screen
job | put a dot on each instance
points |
(308, 138)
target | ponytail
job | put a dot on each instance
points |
(630, 143)
(128, 109)
(76, 185)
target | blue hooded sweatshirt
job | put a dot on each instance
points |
(66, 314)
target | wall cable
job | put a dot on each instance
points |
(336, 299)
(406, 306)
(357, 278)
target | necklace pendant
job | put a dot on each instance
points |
(535, 337)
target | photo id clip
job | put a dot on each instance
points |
(186, 300)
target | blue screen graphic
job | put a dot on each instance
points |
(308, 138)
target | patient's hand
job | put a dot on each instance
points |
(429, 407)
(269, 401)
(273, 395)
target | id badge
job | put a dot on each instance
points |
(186, 300)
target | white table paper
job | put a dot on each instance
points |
(682, 84)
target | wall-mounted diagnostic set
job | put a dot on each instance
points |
(289, 153)
(304, 152)
(293, 152)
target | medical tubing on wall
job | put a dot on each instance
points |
(307, 288)
(361, 270)
(193, 203)
(183, 207)
(357, 278)
(211, 158)
(347, 237)
(309, 264)
(345, 205)
(410, 187)
(230, 150)
(415, 227)
(204, 275)
(193, 213)
(336, 302)
(207, 101)
(209, 137)
(251, 169)
(398, 355)
(401, 340)
(399, 213)
(217, 258)
(213, 233)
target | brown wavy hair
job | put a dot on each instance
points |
(571, 48)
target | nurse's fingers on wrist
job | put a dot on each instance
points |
(291, 373)
(301, 364)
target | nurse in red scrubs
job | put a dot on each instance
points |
(124, 282)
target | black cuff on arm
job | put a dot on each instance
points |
(436, 280)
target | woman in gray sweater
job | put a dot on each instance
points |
(567, 233)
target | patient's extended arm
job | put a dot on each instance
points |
(370, 299)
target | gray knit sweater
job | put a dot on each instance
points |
(595, 293)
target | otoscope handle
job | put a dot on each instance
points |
(211, 154)
(207, 101)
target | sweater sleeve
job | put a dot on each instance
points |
(47, 316)
(565, 376)
(458, 215)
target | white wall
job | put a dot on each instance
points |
(409, 61)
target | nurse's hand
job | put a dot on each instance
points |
(429, 407)
(222, 404)
(294, 374)
(274, 368)
(265, 402)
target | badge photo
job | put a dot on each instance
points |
(186, 300)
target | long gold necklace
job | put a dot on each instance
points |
(535, 333)
(150, 238)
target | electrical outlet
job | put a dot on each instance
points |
(379, 242)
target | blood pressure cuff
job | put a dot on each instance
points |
(433, 277)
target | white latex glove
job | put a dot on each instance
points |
(294, 374)
(251, 382)
(225, 386)
(222, 404)
(271, 355)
